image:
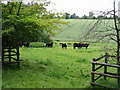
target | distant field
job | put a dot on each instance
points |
(78, 27)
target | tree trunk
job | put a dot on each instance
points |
(118, 44)
(19, 8)
(11, 9)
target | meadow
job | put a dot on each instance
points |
(43, 67)
(53, 68)
(77, 28)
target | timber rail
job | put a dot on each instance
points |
(98, 74)
(11, 55)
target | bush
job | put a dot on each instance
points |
(37, 44)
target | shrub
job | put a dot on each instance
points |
(37, 44)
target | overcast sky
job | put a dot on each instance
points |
(81, 7)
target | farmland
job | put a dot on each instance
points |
(53, 68)
(43, 67)
(77, 28)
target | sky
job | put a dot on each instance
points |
(81, 7)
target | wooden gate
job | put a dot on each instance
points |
(96, 75)
(10, 55)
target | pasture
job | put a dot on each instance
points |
(78, 27)
(54, 67)
(44, 67)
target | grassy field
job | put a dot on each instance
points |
(54, 68)
(78, 27)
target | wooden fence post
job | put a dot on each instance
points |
(93, 69)
(2, 54)
(9, 55)
(18, 58)
(105, 67)
(118, 75)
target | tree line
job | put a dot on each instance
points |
(90, 16)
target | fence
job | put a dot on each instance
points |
(11, 54)
(105, 73)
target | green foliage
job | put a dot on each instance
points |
(85, 17)
(37, 44)
(26, 23)
(70, 16)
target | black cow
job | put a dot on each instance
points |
(79, 45)
(25, 44)
(20, 44)
(64, 45)
(49, 44)
(85, 45)
(60, 43)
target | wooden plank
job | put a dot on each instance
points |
(11, 62)
(10, 48)
(14, 58)
(97, 77)
(114, 56)
(98, 58)
(105, 64)
(14, 52)
(108, 75)
(98, 67)
(111, 73)
(11, 55)
(95, 84)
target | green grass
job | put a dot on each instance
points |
(53, 68)
(78, 27)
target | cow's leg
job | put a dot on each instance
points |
(51, 46)
(74, 47)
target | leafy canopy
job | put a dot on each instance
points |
(26, 23)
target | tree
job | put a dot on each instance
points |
(91, 15)
(28, 23)
(67, 15)
(111, 32)
(74, 16)
(117, 40)
(85, 17)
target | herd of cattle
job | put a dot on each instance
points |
(64, 45)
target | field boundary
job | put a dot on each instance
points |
(105, 72)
